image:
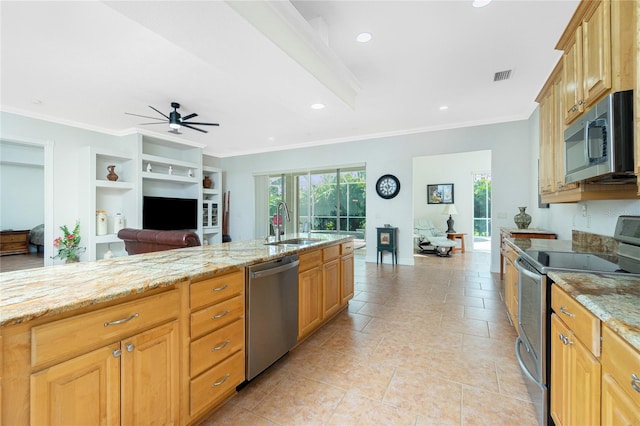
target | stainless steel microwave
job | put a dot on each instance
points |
(599, 145)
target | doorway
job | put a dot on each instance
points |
(482, 211)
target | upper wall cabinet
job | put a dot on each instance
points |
(600, 51)
(587, 59)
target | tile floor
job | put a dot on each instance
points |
(422, 345)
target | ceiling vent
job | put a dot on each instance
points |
(502, 75)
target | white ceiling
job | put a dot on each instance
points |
(256, 67)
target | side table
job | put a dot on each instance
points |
(387, 242)
(457, 236)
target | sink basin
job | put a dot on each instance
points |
(294, 242)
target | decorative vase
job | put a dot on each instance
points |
(522, 219)
(207, 182)
(112, 176)
(72, 259)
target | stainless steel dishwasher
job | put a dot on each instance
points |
(272, 312)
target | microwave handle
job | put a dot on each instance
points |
(598, 123)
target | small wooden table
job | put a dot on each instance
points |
(457, 236)
(14, 242)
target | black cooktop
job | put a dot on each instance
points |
(545, 261)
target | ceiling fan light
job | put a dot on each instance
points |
(480, 3)
(175, 126)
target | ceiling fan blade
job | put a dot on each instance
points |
(205, 124)
(194, 128)
(144, 116)
(157, 122)
(186, 117)
(159, 112)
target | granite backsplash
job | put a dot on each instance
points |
(593, 243)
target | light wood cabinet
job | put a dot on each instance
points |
(575, 370)
(620, 381)
(600, 55)
(309, 293)
(587, 59)
(511, 286)
(217, 340)
(346, 273)
(325, 285)
(131, 381)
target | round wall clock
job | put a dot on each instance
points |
(388, 186)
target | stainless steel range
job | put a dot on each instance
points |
(534, 296)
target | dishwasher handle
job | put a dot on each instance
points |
(276, 270)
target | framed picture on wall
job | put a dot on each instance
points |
(441, 193)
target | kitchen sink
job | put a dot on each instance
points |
(294, 242)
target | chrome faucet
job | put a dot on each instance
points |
(280, 219)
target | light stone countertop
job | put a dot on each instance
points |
(34, 293)
(614, 299)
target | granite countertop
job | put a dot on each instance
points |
(614, 299)
(34, 293)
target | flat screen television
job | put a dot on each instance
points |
(168, 214)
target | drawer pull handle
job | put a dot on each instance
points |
(121, 321)
(221, 381)
(635, 382)
(117, 353)
(130, 347)
(220, 288)
(567, 313)
(220, 315)
(222, 346)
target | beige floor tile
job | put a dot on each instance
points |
(480, 407)
(485, 314)
(355, 409)
(233, 415)
(300, 401)
(465, 368)
(437, 400)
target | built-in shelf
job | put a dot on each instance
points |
(173, 177)
(114, 185)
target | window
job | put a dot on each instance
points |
(322, 200)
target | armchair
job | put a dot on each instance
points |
(430, 240)
(138, 241)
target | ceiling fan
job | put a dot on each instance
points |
(175, 120)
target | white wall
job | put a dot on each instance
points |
(511, 176)
(21, 186)
(449, 168)
(66, 179)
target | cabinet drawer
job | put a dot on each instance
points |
(78, 334)
(310, 260)
(346, 248)
(216, 316)
(330, 253)
(217, 382)
(216, 346)
(15, 238)
(621, 361)
(583, 323)
(213, 290)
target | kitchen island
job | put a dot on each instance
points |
(156, 337)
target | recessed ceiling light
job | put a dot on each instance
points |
(364, 37)
(271, 138)
(480, 3)
(444, 107)
(317, 106)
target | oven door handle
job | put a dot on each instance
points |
(524, 368)
(525, 271)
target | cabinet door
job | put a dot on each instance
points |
(560, 361)
(584, 388)
(331, 288)
(572, 65)
(617, 408)
(546, 178)
(596, 52)
(82, 391)
(310, 300)
(150, 388)
(347, 278)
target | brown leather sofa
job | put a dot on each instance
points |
(138, 241)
